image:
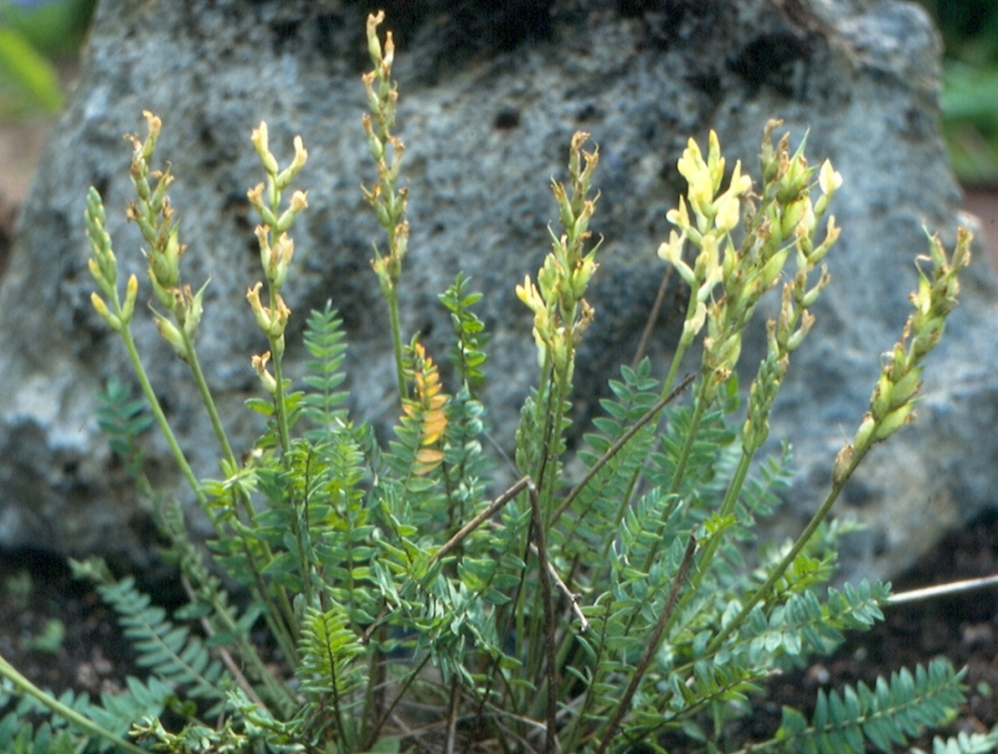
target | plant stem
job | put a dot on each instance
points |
(391, 295)
(280, 406)
(209, 402)
(788, 559)
(164, 426)
(649, 415)
(651, 648)
(89, 726)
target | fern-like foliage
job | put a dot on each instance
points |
(171, 653)
(123, 419)
(467, 353)
(417, 452)
(331, 673)
(887, 715)
(323, 401)
(598, 509)
(48, 733)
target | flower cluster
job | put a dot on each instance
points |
(785, 220)
(388, 202)
(276, 246)
(892, 404)
(561, 314)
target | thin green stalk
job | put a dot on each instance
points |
(209, 402)
(788, 559)
(677, 357)
(68, 713)
(280, 406)
(726, 509)
(699, 409)
(164, 426)
(651, 648)
(391, 296)
(277, 690)
(178, 455)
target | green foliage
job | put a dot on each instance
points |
(467, 354)
(887, 715)
(29, 34)
(394, 598)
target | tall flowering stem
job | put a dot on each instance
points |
(728, 280)
(154, 216)
(561, 313)
(389, 202)
(892, 404)
(276, 252)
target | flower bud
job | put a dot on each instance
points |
(266, 378)
(904, 414)
(260, 139)
(843, 465)
(101, 308)
(131, 293)
(172, 335)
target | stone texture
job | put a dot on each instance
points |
(491, 93)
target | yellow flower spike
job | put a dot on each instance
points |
(791, 216)
(694, 323)
(881, 400)
(260, 138)
(728, 212)
(280, 257)
(829, 179)
(680, 217)
(843, 465)
(806, 323)
(165, 296)
(282, 316)
(193, 309)
(255, 196)
(373, 43)
(266, 378)
(691, 165)
(528, 294)
(585, 319)
(154, 124)
(100, 278)
(864, 434)
(262, 233)
(709, 258)
(905, 414)
(672, 252)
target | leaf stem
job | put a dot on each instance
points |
(68, 713)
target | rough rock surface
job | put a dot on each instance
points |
(491, 93)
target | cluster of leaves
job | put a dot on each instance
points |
(410, 609)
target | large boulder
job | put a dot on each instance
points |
(491, 93)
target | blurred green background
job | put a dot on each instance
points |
(37, 38)
(970, 85)
(40, 38)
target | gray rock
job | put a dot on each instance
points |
(490, 95)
